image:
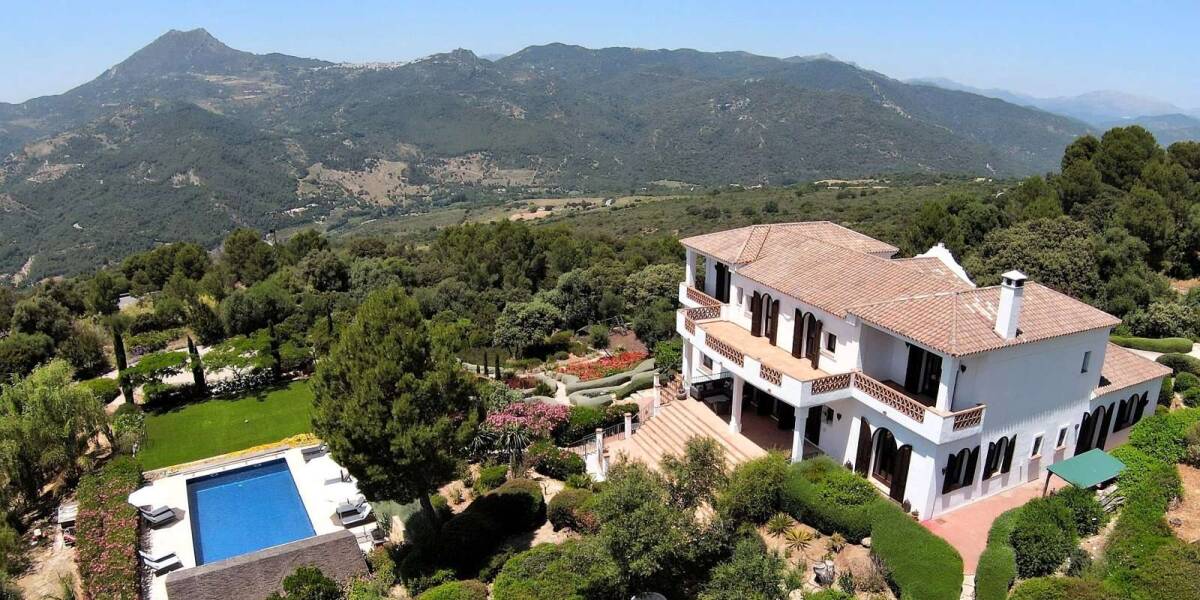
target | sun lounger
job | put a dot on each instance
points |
(158, 564)
(353, 514)
(160, 515)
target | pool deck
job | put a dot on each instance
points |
(310, 476)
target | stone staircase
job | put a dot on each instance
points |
(678, 421)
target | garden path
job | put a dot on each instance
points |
(966, 528)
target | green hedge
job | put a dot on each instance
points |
(575, 569)
(922, 564)
(804, 499)
(1180, 363)
(104, 389)
(755, 490)
(1059, 588)
(457, 590)
(997, 567)
(571, 509)
(1164, 345)
(107, 531)
(467, 540)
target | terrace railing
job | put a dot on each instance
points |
(701, 298)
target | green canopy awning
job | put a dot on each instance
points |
(1088, 469)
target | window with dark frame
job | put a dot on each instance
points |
(1062, 438)
(1087, 360)
(706, 361)
(830, 342)
(1037, 446)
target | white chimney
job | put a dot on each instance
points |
(1008, 314)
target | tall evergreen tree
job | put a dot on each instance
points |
(396, 414)
(197, 369)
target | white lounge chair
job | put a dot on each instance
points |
(159, 515)
(353, 514)
(161, 563)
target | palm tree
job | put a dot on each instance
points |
(511, 442)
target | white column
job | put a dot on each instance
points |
(689, 276)
(600, 443)
(689, 361)
(628, 425)
(735, 409)
(710, 276)
(798, 435)
(946, 383)
(656, 401)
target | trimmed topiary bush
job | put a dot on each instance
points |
(1180, 363)
(997, 568)
(1177, 345)
(920, 563)
(1060, 588)
(457, 590)
(575, 569)
(1186, 381)
(571, 509)
(491, 477)
(1191, 398)
(1043, 535)
(469, 538)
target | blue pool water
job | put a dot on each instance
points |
(244, 510)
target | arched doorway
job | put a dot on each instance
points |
(884, 460)
(889, 463)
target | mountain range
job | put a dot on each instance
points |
(188, 138)
(1103, 109)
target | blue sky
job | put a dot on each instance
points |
(1042, 48)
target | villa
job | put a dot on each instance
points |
(812, 338)
(236, 527)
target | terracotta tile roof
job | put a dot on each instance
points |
(961, 323)
(1123, 368)
(745, 244)
(842, 272)
(834, 278)
(930, 265)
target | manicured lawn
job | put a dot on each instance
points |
(216, 427)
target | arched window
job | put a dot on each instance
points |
(884, 463)
(960, 469)
(999, 456)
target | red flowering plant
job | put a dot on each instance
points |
(603, 367)
(107, 532)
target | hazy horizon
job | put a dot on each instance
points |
(1023, 48)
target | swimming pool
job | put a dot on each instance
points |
(246, 509)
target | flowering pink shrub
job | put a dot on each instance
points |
(107, 532)
(603, 367)
(538, 418)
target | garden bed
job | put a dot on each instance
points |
(603, 367)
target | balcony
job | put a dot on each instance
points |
(692, 297)
(775, 371)
(937, 425)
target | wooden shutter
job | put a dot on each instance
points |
(1008, 455)
(912, 372)
(900, 473)
(972, 461)
(1141, 407)
(1085, 434)
(989, 464)
(862, 461)
(1108, 413)
(756, 315)
(773, 310)
(816, 351)
(950, 482)
(798, 335)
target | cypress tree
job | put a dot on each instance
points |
(276, 360)
(197, 369)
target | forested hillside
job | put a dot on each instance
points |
(274, 141)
